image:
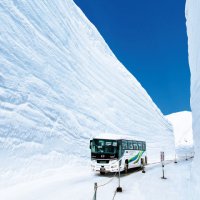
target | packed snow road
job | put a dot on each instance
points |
(77, 183)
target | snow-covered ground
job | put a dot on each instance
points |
(77, 183)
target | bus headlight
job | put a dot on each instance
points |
(114, 166)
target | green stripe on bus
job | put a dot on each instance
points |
(136, 158)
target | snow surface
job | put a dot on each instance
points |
(65, 184)
(183, 133)
(60, 84)
(193, 31)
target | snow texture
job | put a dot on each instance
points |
(182, 124)
(60, 84)
(193, 30)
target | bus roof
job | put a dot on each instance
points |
(110, 136)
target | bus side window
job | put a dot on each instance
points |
(124, 145)
(144, 146)
(120, 149)
(130, 145)
(135, 145)
(140, 145)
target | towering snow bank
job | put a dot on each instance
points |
(193, 30)
(182, 124)
(60, 84)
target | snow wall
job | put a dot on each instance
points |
(182, 124)
(193, 31)
(60, 84)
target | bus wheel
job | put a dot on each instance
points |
(126, 166)
(142, 161)
(146, 160)
(102, 173)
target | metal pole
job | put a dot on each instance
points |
(163, 171)
(119, 174)
(163, 177)
(143, 168)
(119, 189)
(175, 159)
(95, 191)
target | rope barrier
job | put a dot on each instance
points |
(108, 181)
(114, 194)
(113, 176)
(98, 186)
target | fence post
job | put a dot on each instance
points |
(163, 171)
(175, 161)
(95, 191)
(119, 188)
(162, 159)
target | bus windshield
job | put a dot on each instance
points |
(104, 146)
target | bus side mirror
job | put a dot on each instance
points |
(90, 144)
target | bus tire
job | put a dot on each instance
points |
(102, 173)
(142, 162)
(146, 160)
(126, 166)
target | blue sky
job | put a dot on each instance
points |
(149, 38)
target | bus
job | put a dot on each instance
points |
(110, 152)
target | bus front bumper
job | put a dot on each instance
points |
(106, 168)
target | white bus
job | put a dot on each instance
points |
(107, 150)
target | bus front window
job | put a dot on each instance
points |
(104, 146)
